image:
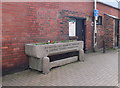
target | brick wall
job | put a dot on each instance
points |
(36, 22)
(106, 31)
(15, 34)
(32, 22)
(119, 32)
(73, 9)
(119, 26)
(0, 36)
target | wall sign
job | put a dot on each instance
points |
(72, 28)
(96, 13)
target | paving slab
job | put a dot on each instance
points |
(98, 69)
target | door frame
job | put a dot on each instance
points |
(84, 19)
(117, 31)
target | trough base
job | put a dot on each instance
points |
(45, 65)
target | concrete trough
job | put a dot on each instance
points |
(39, 54)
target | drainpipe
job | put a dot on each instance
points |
(95, 28)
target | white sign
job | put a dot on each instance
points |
(72, 29)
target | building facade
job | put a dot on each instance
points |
(33, 22)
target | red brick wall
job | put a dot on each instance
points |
(25, 23)
(37, 22)
(0, 36)
(107, 29)
(119, 25)
(15, 34)
(74, 9)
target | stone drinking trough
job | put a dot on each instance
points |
(44, 57)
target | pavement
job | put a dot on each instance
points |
(98, 69)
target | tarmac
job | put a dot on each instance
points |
(98, 69)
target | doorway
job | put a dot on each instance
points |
(116, 33)
(77, 29)
(80, 31)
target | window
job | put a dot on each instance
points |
(72, 28)
(99, 21)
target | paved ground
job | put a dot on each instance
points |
(98, 70)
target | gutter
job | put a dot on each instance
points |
(114, 17)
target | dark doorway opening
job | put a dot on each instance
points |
(116, 33)
(80, 31)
